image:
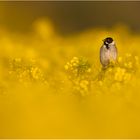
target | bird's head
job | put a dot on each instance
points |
(108, 42)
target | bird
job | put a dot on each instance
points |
(108, 52)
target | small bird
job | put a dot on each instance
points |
(108, 52)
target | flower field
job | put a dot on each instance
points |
(53, 86)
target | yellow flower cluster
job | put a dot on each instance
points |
(72, 66)
(78, 66)
(128, 66)
(79, 71)
(122, 72)
(129, 62)
(122, 75)
(81, 86)
(25, 71)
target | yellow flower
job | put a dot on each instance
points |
(119, 74)
(129, 65)
(89, 70)
(127, 76)
(66, 67)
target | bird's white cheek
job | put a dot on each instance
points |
(113, 43)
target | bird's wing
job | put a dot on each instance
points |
(103, 56)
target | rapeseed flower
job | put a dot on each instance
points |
(48, 91)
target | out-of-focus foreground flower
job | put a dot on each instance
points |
(52, 86)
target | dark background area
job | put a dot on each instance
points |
(70, 17)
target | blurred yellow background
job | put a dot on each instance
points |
(71, 16)
(52, 84)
